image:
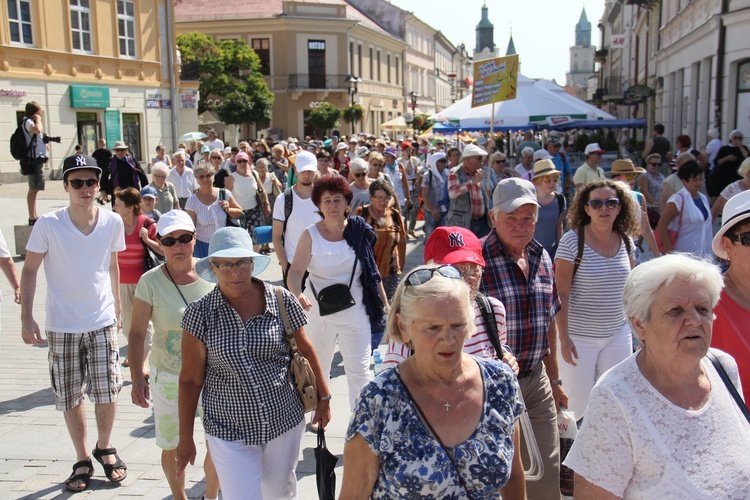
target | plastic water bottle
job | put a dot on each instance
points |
(378, 366)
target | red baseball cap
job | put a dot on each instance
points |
(452, 245)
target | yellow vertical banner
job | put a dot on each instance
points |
(495, 80)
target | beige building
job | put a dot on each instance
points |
(99, 68)
(309, 53)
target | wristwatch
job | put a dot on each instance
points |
(556, 382)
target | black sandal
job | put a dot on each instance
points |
(83, 477)
(109, 468)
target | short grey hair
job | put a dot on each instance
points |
(358, 165)
(407, 304)
(647, 278)
(262, 162)
(160, 166)
(202, 167)
(527, 151)
(179, 153)
(713, 133)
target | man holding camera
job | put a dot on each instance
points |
(34, 134)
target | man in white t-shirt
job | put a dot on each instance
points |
(78, 245)
(213, 142)
(9, 269)
(287, 230)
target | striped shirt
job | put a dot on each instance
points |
(478, 344)
(595, 306)
(530, 304)
(247, 393)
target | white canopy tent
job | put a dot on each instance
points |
(592, 112)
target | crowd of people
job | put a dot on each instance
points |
(533, 291)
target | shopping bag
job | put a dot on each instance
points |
(325, 465)
(566, 425)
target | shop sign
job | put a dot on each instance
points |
(617, 42)
(316, 104)
(12, 93)
(637, 93)
(158, 103)
(85, 96)
(189, 99)
(112, 125)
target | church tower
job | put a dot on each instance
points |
(485, 47)
(581, 54)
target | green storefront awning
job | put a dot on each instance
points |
(87, 96)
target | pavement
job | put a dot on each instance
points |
(36, 454)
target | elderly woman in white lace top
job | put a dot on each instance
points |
(663, 424)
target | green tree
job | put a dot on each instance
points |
(227, 67)
(353, 114)
(324, 117)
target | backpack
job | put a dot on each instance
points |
(560, 202)
(288, 205)
(18, 147)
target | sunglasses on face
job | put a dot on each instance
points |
(205, 176)
(362, 174)
(216, 157)
(499, 162)
(78, 183)
(742, 238)
(169, 241)
(629, 177)
(655, 164)
(241, 161)
(609, 204)
(550, 178)
(738, 137)
(422, 276)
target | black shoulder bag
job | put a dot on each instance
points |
(730, 386)
(335, 298)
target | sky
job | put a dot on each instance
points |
(543, 30)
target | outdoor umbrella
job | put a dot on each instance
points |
(396, 124)
(192, 136)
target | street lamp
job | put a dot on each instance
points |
(352, 82)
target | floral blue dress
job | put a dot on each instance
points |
(412, 462)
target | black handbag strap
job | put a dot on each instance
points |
(351, 280)
(175, 285)
(435, 435)
(490, 323)
(730, 386)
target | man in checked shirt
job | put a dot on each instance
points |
(518, 272)
(469, 203)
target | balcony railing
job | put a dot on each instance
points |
(601, 55)
(304, 81)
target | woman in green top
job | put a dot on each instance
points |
(161, 297)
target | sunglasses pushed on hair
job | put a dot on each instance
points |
(422, 276)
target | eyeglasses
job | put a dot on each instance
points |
(500, 162)
(205, 176)
(655, 164)
(597, 204)
(742, 238)
(360, 174)
(550, 178)
(324, 160)
(376, 164)
(169, 241)
(120, 150)
(78, 183)
(738, 137)
(422, 276)
(555, 145)
(241, 264)
(241, 161)
(216, 157)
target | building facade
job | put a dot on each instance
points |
(99, 69)
(309, 52)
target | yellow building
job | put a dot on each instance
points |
(99, 69)
(309, 51)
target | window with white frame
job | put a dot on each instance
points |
(126, 27)
(19, 19)
(80, 25)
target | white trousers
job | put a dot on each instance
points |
(264, 471)
(595, 356)
(354, 345)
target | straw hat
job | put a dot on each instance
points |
(544, 167)
(621, 167)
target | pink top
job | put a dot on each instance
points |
(731, 335)
(130, 260)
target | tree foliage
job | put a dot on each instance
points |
(325, 117)
(227, 68)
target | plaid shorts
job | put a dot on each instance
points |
(84, 360)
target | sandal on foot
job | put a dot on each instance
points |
(109, 468)
(83, 477)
